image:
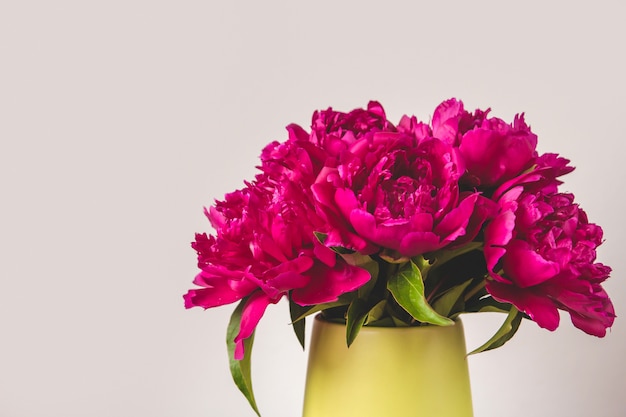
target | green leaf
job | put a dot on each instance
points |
(355, 318)
(504, 334)
(446, 302)
(300, 312)
(340, 250)
(384, 322)
(423, 264)
(407, 289)
(399, 323)
(241, 369)
(295, 311)
(366, 289)
(377, 312)
(321, 237)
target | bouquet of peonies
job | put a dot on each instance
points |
(372, 223)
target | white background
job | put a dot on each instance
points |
(120, 120)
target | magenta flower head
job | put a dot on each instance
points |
(492, 150)
(396, 192)
(546, 249)
(265, 248)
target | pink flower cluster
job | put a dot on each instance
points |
(359, 183)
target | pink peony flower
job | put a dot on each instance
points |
(265, 246)
(496, 151)
(451, 121)
(392, 190)
(492, 151)
(333, 130)
(546, 249)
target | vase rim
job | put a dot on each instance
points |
(457, 321)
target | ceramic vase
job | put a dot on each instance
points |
(387, 372)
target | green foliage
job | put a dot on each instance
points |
(240, 369)
(355, 318)
(298, 325)
(407, 288)
(451, 300)
(377, 313)
(321, 237)
(504, 333)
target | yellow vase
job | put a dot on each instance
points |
(387, 372)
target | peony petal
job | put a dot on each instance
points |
(446, 120)
(250, 316)
(422, 222)
(347, 239)
(417, 243)
(324, 254)
(596, 321)
(346, 201)
(323, 190)
(496, 153)
(211, 297)
(592, 312)
(525, 266)
(541, 309)
(388, 234)
(327, 284)
(497, 234)
(284, 282)
(484, 210)
(297, 133)
(455, 222)
(590, 325)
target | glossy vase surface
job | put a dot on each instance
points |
(387, 372)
